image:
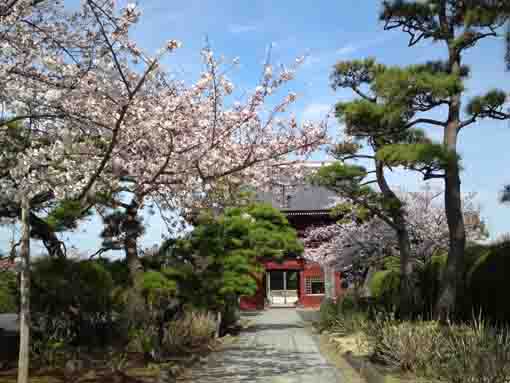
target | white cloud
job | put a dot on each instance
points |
(347, 49)
(350, 48)
(312, 60)
(241, 28)
(315, 111)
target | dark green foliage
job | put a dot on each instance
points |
(71, 299)
(8, 292)
(118, 270)
(487, 104)
(416, 87)
(328, 314)
(219, 260)
(157, 288)
(366, 118)
(59, 285)
(119, 224)
(412, 136)
(384, 287)
(346, 212)
(488, 282)
(430, 280)
(347, 180)
(434, 156)
(353, 74)
(339, 173)
(420, 18)
(65, 215)
(486, 271)
(505, 196)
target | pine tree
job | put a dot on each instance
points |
(368, 123)
(458, 26)
(220, 259)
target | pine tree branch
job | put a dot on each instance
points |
(368, 183)
(363, 95)
(99, 252)
(427, 121)
(468, 122)
(357, 157)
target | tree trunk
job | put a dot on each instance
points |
(138, 310)
(398, 217)
(24, 313)
(131, 243)
(451, 284)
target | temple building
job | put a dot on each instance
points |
(294, 281)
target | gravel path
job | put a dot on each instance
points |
(277, 348)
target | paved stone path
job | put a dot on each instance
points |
(277, 348)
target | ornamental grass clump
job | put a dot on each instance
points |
(407, 346)
(475, 353)
(458, 353)
(194, 331)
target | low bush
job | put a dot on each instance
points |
(71, 302)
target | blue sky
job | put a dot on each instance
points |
(327, 31)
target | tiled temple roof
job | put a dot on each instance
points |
(299, 198)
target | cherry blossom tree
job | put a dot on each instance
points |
(68, 85)
(95, 116)
(67, 89)
(190, 142)
(348, 242)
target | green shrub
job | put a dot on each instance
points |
(71, 300)
(348, 302)
(60, 285)
(8, 292)
(429, 282)
(157, 288)
(384, 288)
(487, 280)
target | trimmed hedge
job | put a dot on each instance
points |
(487, 283)
(486, 277)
